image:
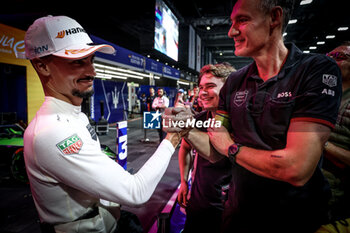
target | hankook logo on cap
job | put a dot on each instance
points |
(63, 33)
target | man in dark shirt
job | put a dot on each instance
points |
(150, 99)
(280, 110)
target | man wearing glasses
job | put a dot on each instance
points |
(337, 149)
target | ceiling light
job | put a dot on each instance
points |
(330, 36)
(320, 42)
(113, 68)
(292, 21)
(304, 2)
(312, 47)
(220, 54)
(208, 28)
(343, 28)
(108, 76)
(306, 51)
(184, 83)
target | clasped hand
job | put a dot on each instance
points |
(176, 120)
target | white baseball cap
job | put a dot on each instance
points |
(60, 36)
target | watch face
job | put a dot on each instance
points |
(232, 149)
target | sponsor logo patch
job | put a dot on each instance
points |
(329, 80)
(240, 98)
(284, 94)
(92, 132)
(70, 145)
(328, 92)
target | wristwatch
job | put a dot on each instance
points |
(233, 151)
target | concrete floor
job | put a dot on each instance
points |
(17, 210)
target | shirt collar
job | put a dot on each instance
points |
(63, 106)
(292, 58)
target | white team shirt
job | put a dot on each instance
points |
(160, 102)
(69, 173)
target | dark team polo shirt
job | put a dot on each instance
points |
(209, 179)
(204, 212)
(308, 88)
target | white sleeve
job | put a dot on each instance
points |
(166, 102)
(155, 103)
(94, 173)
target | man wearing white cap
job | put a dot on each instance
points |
(67, 171)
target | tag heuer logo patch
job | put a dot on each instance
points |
(329, 80)
(70, 145)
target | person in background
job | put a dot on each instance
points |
(277, 113)
(150, 99)
(209, 180)
(144, 108)
(194, 100)
(67, 171)
(159, 104)
(336, 165)
(179, 99)
(143, 100)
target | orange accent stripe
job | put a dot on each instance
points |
(315, 120)
(86, 55)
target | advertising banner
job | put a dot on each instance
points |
(153, 66)
(11, 42)
(122, 56)
(114, 95)
(191, 47)
(122, 142)
(170, 72)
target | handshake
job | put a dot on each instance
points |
(174, 123)
(178, 120)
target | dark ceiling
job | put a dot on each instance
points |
(130, 24)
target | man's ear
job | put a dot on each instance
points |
(41, 66)
(276, 17)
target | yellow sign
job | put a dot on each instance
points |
(11, 42)
(12, 48)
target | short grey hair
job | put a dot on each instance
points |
(286, 5)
